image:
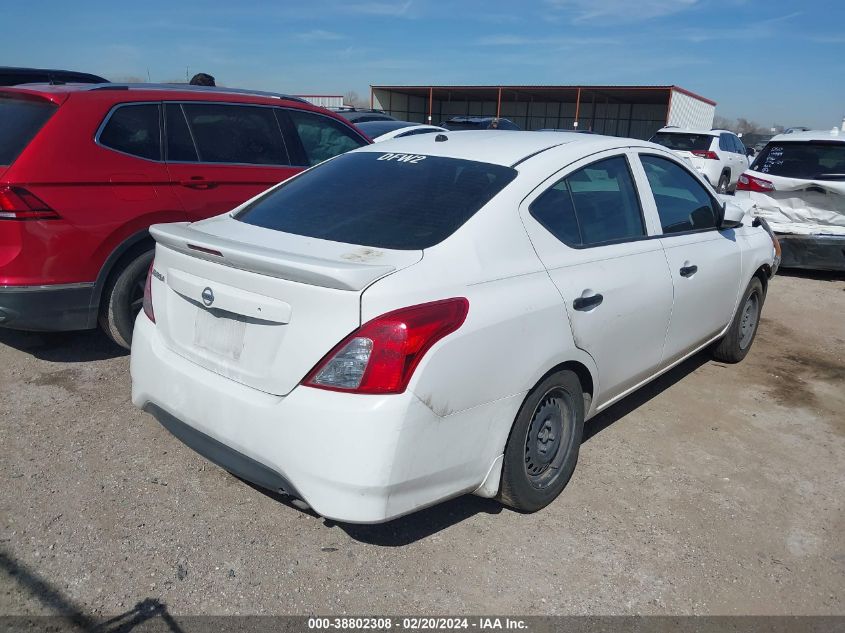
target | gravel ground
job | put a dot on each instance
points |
(715, 490)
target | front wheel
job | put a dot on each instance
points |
(543, 446)
(736, 343)
(123, 298)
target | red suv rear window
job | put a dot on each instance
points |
(20, 120)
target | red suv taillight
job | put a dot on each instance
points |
(752, 183)
(381, 356)
(16, 203)
(148, 294)
(701, 153)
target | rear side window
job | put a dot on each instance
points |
(683, 142)
(180, 143)
(322, 137)
(236, 134)
(683, 203)
(383, 200)
(593, 205)
(134, 129)
(811, 160)
(20, 120)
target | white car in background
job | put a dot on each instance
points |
(380, 131)
(440, 314)
(797, 184)
(718, 155)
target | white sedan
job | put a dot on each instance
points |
(386, 130)
(439, 315)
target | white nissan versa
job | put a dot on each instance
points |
(439, 314)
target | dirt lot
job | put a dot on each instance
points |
(716, 490)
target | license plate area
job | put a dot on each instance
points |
(219, 332)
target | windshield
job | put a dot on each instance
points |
(812, 160)
(465, 125)
(383, 200)
(683, 141)
(20, 120)
(377, 128)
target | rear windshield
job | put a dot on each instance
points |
(813, 160)
(20, 120)
(683, 142)
(383, 200)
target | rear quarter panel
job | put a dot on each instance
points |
(516, 331)
(102, 196)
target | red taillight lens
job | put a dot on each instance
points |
(148, 294)
(705, 154)
(16, 203)
(381, 355)
(752, 183)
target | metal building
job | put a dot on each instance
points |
(324, 101)
(635, 111)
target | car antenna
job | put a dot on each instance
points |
(440, 138)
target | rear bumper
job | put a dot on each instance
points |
(353, 458)
(48, 308)
(813, 252)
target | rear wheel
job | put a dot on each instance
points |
(123, 298)
(543, 446)
(724, 181)
(736, 343)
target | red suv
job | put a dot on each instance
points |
(86, 169)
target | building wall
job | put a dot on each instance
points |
(689, 112)
(616, 119)
(324, 101)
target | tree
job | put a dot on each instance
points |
(351, 98)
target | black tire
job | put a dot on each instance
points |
(123, 298)
(724, 183)
(734, 346)
(543, 446)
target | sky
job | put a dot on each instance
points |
(774, 62)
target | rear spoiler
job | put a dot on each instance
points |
(315, 271)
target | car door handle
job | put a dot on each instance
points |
(587, 303)
(197, 182)
(688, 271)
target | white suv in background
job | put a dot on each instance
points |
(718, 155)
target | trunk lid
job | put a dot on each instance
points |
(802, 206)
(259, 306)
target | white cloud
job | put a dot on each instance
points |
(388, 9)
(561, 42)
(620, 10)
(319, 35)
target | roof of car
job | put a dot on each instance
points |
(58, 73)
(472, 119)
(185, 89)
(686, 130)
(811, 135)
(500, 147)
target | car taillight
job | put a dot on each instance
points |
(752, 183)
(701, 153)
(381, 356)
(16, 203)
(148, 294)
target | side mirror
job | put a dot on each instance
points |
(731, 217)
(749, 151)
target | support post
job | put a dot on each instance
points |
(430, 102)
(577, 108)
(499, 104)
